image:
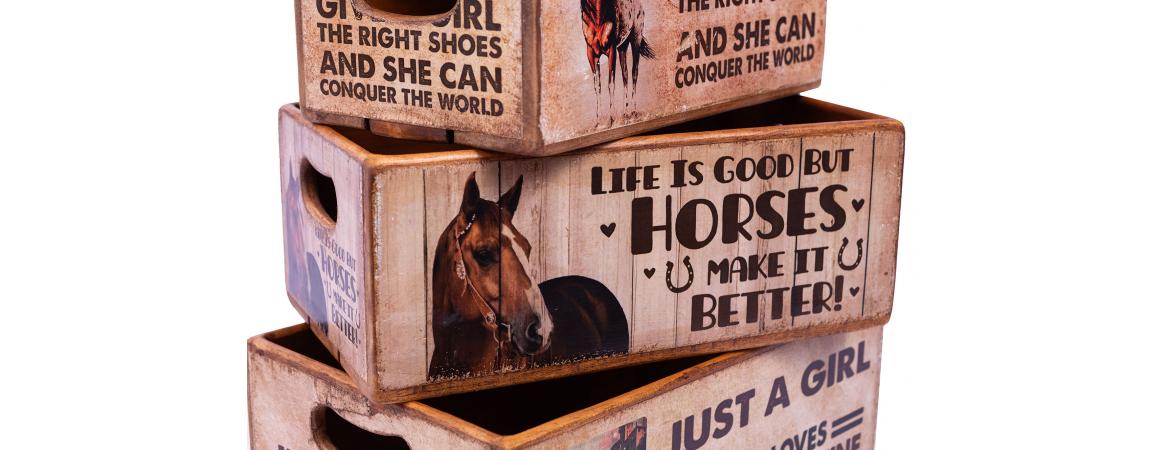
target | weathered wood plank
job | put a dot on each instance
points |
(652, 329)
(399, 255)
(776, 254)
(885, 213)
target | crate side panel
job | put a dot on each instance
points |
(325, 259)
(689, 55)
(771, 400)
(461, 72)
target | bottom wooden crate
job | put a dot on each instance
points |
(818, 393)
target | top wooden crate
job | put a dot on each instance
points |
(544, 77)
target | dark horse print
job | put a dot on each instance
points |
(302, 272)
(489, 314)
(317, 309)
(614, 28)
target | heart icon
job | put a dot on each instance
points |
(649, 272)
(858, 204)
(854, 291)
(608, 229)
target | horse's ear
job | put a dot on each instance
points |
(470, 198)
(511, 199)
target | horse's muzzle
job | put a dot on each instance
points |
(531, 340)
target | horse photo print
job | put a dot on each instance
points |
(489, 312)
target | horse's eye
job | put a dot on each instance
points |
(484, 256)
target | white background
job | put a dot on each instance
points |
(141, 226)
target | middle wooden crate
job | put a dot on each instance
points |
(429, 269)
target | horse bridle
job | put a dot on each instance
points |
(492, 320)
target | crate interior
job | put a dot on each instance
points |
(795, 110)
(791, 111)
(513, 409)
(409, 8)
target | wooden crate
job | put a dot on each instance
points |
(817, 393)
(543, 77)
(429, 269)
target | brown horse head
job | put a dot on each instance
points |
(482, 277)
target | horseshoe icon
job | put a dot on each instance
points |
(670, 276)
(841, 254)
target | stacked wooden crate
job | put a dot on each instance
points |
(573, 286)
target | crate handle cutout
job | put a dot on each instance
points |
(333, 432)
(319, 194)
(407, 10)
